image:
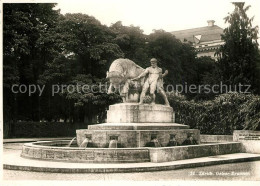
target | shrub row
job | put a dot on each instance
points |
(227, 112)
(45, 129)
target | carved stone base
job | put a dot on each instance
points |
(135, 137)
(135, 113)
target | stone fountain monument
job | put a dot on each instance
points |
(134, 132)
(132, 124)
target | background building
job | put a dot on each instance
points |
(206, 40)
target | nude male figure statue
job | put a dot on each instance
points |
(153, 81)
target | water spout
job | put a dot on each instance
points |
(153, 143)
(112, 144)
(86, 143)
(71, 141)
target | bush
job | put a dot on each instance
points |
(45, 129)
(227, 112)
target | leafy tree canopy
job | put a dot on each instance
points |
(239, 59)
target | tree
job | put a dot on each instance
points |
(173, 55)
(27, 46)
(89, 41)
(205, 67)
(239, 57)
(132, 42)
(207, 74)
(88, 48)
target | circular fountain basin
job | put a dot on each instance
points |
(57, 151)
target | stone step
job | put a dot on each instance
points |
(137, 126)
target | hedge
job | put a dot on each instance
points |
(44, 129)
(227, 112)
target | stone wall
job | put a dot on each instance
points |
(102, 155)
(215, 138)
(134, 138)
(250, 140)
(57, 151)
(166, 154)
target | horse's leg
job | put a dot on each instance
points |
(110, 89)
(124, 92)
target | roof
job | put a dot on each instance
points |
(198, 35)
(208, 48)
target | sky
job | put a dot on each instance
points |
(169, 15)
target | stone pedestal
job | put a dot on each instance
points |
(134, 125)
(135, 113)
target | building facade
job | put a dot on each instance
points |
(206, 40)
